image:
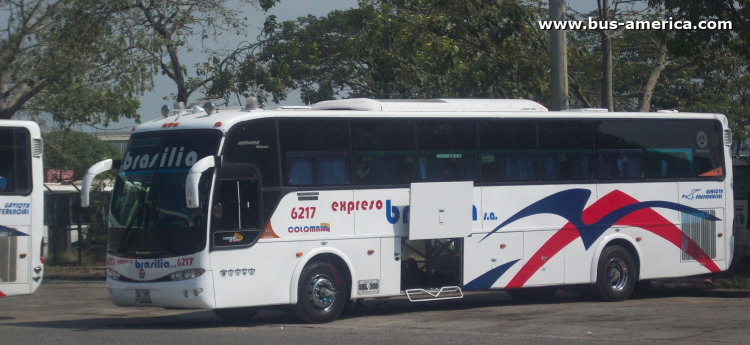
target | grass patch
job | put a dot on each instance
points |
(735, 282)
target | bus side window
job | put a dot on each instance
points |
(508, 150)
(315, 151)
(619, 149)
(566, 150)
(447, 150)
(15, 161)
(383, 151)
(254, 142)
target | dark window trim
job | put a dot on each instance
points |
(537, 181)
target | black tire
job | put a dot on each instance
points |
(533, 294)
(616, 275)
(321, 293)
(236, 314)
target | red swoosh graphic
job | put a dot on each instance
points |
(646, 219)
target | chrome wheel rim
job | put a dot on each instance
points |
(322, 292)
(617, 274)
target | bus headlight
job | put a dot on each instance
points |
(187, 274)
(112, 274)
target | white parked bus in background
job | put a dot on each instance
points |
(21, 207)
(315, 207)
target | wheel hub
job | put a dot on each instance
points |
(617, 274)
(322, 292)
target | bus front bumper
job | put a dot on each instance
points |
(195, 293)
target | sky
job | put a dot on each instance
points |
(151, 102)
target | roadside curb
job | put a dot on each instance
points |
(726, 293)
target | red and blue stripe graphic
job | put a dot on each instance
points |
(6, 231)
(615, 208)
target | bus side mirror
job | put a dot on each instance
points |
(192, 196)
(96, 169)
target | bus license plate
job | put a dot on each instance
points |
(142, 296)
(368, 287)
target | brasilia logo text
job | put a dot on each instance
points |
(158, 263)
(172, 157)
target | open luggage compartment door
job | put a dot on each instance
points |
(440, 210)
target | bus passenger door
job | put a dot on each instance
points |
(236, 215)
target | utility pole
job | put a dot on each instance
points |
(558, 57)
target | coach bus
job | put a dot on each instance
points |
(315, 207)
(21, 207)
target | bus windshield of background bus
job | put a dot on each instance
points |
(149, 214)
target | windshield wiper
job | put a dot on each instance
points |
(154, 213)
(127, 236)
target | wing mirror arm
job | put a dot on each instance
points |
(192, 194)
(96, 169)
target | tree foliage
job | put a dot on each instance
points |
(164, 27)
(67, 59)
(77, 151)
(396, 49)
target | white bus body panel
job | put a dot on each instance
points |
(440, 210)
(276, 269)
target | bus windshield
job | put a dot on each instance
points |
(149, 214)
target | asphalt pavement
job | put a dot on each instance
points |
(79, 311)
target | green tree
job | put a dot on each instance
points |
(163, 28)
(395, 49)
(65, 58)
(77, 151)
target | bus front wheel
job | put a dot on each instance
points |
(321, 293)
(616, 275)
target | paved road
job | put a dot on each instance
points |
(75, 312)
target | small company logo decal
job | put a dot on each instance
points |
(237, 272)
(142, 273)
(234, 238)
(323, 227)
(708, 194)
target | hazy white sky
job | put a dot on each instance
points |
(152, 102)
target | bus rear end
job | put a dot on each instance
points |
(21, 207)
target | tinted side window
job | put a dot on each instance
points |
(447, 150)
(383, 151)
(659, 149)
(15, 161)
(315, 151)
(508, 150)
(255, 142)
(709, 153)
(566, 150)
(620, 149)
(683, 148)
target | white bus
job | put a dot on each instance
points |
(21, 207)
(316, 207)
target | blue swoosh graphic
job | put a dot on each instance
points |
(11, 232)
(570, 204)
(486, 280)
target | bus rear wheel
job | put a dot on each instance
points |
(616, 275)
(236, 314)
(321, 293)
